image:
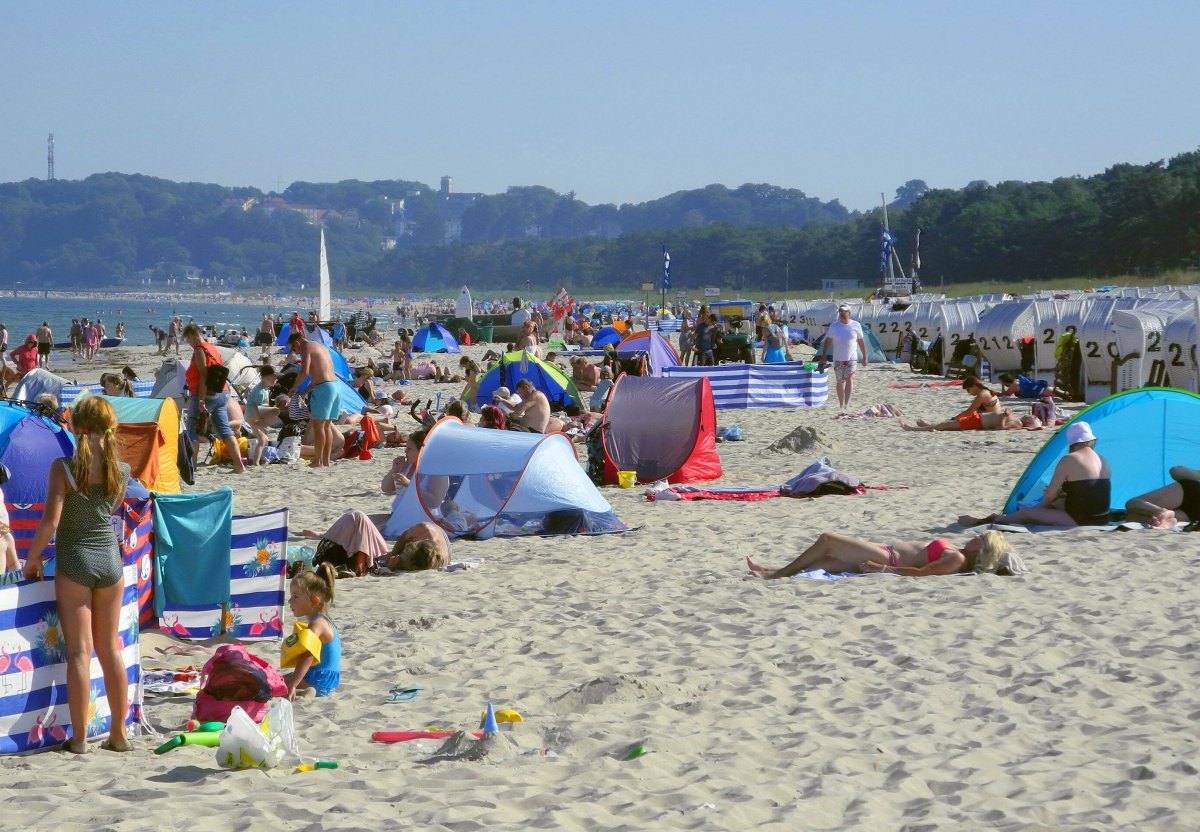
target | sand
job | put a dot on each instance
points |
(1062, 700)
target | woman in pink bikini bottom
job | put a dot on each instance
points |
(840, 553)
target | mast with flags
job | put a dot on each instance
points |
(666, 278)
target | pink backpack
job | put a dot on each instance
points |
(235, 677)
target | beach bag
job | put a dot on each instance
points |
(215, 376)
(243, 744)
(1047, 411)
(236, 678)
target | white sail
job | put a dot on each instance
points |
(323, 301)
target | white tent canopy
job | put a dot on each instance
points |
(39, 381)
(485, 483)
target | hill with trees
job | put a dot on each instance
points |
(118, 230)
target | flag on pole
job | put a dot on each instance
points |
(885, 248)
(666, 284)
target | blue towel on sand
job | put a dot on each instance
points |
(191, 548)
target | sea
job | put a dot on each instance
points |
(22, 315)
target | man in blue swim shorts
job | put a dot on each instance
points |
(324, 401)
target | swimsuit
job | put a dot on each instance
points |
(325, 676)
(1087, 501)
(933, 551)
(972, 421)
(86, 550)
(325, 401)
(1190, 504)
(936, 548)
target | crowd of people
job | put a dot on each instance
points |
(295, 411)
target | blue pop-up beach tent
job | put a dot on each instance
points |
(29, 442)
(560, 390)
(1142, 433)
(434, 337)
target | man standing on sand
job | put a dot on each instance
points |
(45, 342)
(174, 334)
(845, 342)
(533, 413)
(324, 402)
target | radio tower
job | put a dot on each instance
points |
(50, 158)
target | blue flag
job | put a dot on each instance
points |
(666, 284)
(885, 248)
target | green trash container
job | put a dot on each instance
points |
(485, 329)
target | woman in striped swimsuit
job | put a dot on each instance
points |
(88, 586)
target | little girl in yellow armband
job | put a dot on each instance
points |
(314, 649)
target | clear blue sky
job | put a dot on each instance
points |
(617, 101)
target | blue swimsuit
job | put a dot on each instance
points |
(325, 676)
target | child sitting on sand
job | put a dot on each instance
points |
(309, 596)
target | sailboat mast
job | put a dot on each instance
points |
(323, 284)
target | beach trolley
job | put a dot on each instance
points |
(1000, 332)
(1181, 336)
(1139, 336)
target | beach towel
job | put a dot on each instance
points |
(821, 478)
(951, 383)
(354, 532)
(191, 551)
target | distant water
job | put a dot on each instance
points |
(23, 315)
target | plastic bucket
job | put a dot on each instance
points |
(627, 479)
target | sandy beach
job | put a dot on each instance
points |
(1062, 700)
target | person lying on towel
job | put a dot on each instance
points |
(914, 558)
(1176, 502)
(983, 413)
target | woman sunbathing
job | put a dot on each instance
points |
(841, 553)
(1176, 502)
(983, 413)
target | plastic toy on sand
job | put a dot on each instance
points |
(211, 739)
(406, 736)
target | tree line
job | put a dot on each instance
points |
(107, 229)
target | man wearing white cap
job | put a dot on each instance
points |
(845, 341)
(1079, 492)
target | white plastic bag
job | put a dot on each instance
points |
(247, 745)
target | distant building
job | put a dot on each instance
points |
(453, 206)
(311, 213)
(836, 284)
(240, 204)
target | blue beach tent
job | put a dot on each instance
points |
(311, 331)
(434, 337)
(514, 366)
(29, 442)
(605, 337)
(1142, 433)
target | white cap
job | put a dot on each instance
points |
(506, 396)
(1079, 432)
(845, 306)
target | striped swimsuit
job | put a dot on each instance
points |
(85, 548)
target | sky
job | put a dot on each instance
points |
(616, 101)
